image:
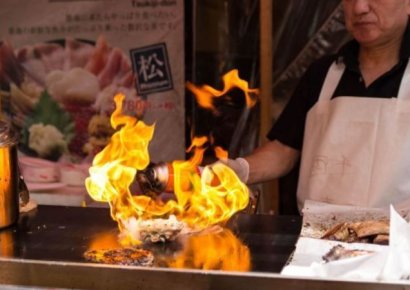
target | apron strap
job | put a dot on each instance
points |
(335, 73)
(332, 79)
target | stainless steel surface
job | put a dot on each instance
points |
(49, 243)
(53, 233)
(46, 249)
(9, 176)
(91, 276)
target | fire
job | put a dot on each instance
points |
(102, 241)
(205, 94)
(220, 153)
(223, 251)
(200, 205)
(202, 197)
(215, 194)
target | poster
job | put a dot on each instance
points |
(62, 62)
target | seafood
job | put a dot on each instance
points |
(121, 256)
(339, 252)
(369, 231)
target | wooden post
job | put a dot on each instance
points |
(270, 195)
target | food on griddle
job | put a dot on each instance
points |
(370, 231)
(339, 252)
(160, 230)
(155, 230)
(121, 256)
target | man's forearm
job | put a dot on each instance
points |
(270, 161)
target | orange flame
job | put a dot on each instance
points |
(205, 94)
(214, 195)
(102, 241)
(220, 153)
(223, 251)
(202, 198)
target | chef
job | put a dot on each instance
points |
(349, 118)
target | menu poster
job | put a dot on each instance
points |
(62, 62)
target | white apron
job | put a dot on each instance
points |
(356, 150)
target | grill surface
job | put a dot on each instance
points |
(52, 233)
(46, 250)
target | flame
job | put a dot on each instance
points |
(205, 94)
(114, 168)
(215, 194)
(204, 196)
(215, 249)
(200, 204)
(220, 153)
(102, 241)
(223, 251)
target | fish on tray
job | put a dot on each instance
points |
(369, 231)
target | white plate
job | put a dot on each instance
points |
(44, 186)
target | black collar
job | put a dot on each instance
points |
(350, 51)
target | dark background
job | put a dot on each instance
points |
(224, 34)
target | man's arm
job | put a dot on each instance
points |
(272, 160)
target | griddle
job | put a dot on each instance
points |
(54, 233)
(46, 247)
